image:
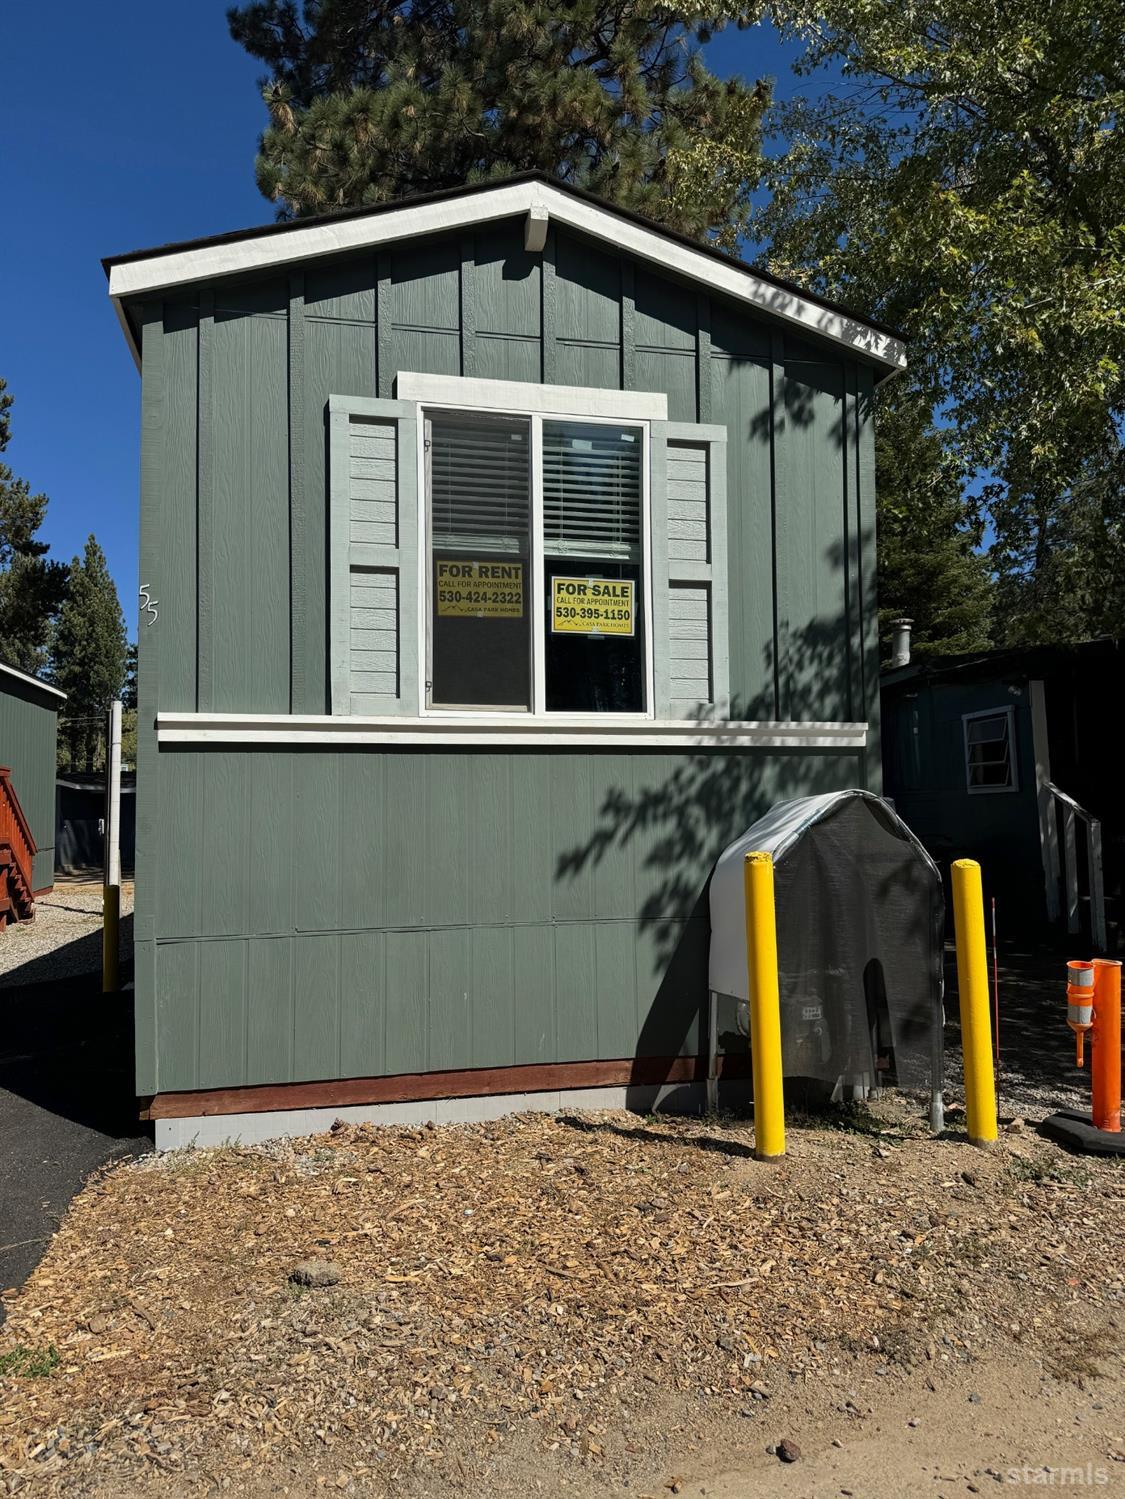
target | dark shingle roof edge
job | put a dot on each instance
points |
(262, 231)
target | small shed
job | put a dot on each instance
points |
(29, 709)
(503, 556)
(80, 822)
(1003, 756)
(860, 929)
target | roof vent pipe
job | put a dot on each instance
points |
(900, 641)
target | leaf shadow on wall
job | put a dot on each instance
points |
(680, 825)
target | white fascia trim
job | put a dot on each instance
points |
(159, 273)
(23, 676)
(604, 732)
(733, 281)
(524, 395)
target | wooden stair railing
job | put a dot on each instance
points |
(17, 850)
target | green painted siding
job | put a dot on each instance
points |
(28, 728)
(335, 913)
(307, 914)
(924, 750)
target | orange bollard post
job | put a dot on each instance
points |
(1105, 1046)
(1080, 1001)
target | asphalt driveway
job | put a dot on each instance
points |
(66, 1101)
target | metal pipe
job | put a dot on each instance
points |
(765, 1008)
(972, 987)
(111, 895)
(900, 641)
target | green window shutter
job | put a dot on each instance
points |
(373, 555)
(689, 572)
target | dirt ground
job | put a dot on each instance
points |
(590, 1304)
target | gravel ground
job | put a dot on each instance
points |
(64, 939)
(1036, 1073)
(556, 1304)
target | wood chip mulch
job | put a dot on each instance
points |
(539, 1273)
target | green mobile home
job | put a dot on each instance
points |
(29, 714)
(503, 556)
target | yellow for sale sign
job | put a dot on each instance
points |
(592, 606)
(480, 590)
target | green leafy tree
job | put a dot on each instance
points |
(967, 182)
(930, 565)
(371, 101)
(129, 710)
(31, 586)
(88, 657)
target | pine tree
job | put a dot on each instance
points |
(371, 101)
(88, 656)
(31, 587)
(930, 565)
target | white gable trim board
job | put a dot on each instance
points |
(537, 202)
(30, 681)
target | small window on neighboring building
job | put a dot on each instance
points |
(990, 751)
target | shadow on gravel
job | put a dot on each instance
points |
(67, 1103)
(69, 961)
(1036, 1069)
(626, 1132)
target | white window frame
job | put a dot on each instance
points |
(1007, 712)
(436, 394)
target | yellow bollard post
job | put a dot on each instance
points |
(972, 987)
(111, 915)
(765, 1009)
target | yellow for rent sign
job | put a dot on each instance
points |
(592, 606)
(480, 590)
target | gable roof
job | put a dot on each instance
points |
(1007, 661)
(26, 679)
(539, 199)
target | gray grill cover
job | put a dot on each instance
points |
(860, 926)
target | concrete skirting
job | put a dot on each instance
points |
(251, 1129)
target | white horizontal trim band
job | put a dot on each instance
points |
(502, 730)
(517, 396)
(164, 272)
(23, 676)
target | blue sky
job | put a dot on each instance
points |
(139, 130)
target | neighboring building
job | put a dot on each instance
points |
(29, 711)
(503, 556)
(80, 822)
(1004, 756)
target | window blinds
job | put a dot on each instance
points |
(591, 490)
(480, 482)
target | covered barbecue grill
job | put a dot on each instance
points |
(860, 925)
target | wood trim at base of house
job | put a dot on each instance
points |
(46, 890)
(353, 1092)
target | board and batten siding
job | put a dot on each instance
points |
(265, 874)
(248, 370)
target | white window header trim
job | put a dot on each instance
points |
(520, 397)
(601, 731)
